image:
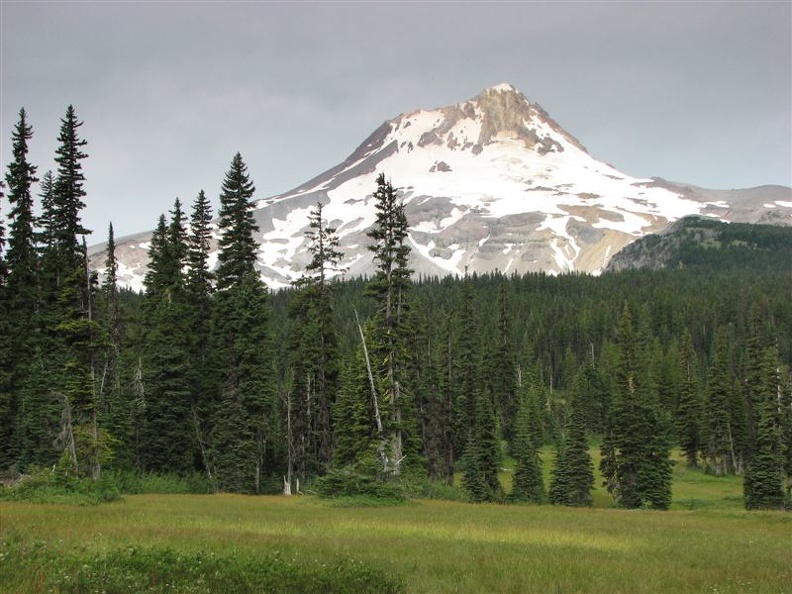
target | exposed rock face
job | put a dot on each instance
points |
(492, 183)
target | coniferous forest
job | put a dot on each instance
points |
(386, 385)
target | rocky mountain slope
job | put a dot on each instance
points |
(491, 183)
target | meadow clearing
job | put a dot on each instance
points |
(706, 543)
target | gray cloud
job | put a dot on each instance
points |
(693, 92)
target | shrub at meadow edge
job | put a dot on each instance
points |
(135, 570)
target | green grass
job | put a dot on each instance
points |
(228, 543)
(705, 543)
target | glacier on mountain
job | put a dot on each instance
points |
(491, 183)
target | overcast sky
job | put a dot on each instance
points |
(696, 92)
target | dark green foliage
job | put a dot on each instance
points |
(361, 481)
(389, 333)
(353, 423)
(503, 366)
(635, 460)
(315, 357)
(763, 484)
(528, 484)
(59, 485)
(481, 458)
(21, 258)
(167, 436)
(721, 455)
(185, 379)
(245, 421)
(705, 244)
(18, 269)
(689, 409)
(467, 382)
(160, 570)
(112, 403)
(237, 243)
(573, 474)
(199, 291)
(63, 254)
(438, 409)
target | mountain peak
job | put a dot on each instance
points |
(490, 183)
(501, 88)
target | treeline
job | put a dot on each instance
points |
(385, 385)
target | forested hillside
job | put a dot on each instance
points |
(382, 384)
(706, 243)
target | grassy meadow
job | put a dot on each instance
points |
(706, 543)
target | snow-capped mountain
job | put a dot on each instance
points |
(489, 183)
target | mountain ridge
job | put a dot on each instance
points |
(490, 183)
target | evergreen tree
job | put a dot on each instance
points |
(237, 243)
(467, 382)
(21, 258)
(47, 220)
(389, 331)
(763, 484)
(199, 292)
(481, 457)
(720, 453)
(315, 357)
(528, 484)
(63, 373)
(78, 334)
(503, 367)
(635, 460)
(573, 475)
(113, 408)
(476, 425)
(63, 255)
(20, 280)
(353, 429)
(244, 430)
(751, 405)
(438, 406)
(8, 397)
(167, 437)
(689, 409)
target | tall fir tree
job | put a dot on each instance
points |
(689, 408)
(21, 265)
(21, 258)
(503, 366)
(237, 243)
(63, 367)
(245, 428)
(8, 396)
(354, 430)
(763, 483)
(721, 455)
(573, 474)
(528, 484)
(476, 424)
(114, 412)
(199, 296)
(62, 209)
(438, 416)
(636, 448)
(314, 354)
(244, 437)
(389, 331)
(167, 438)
